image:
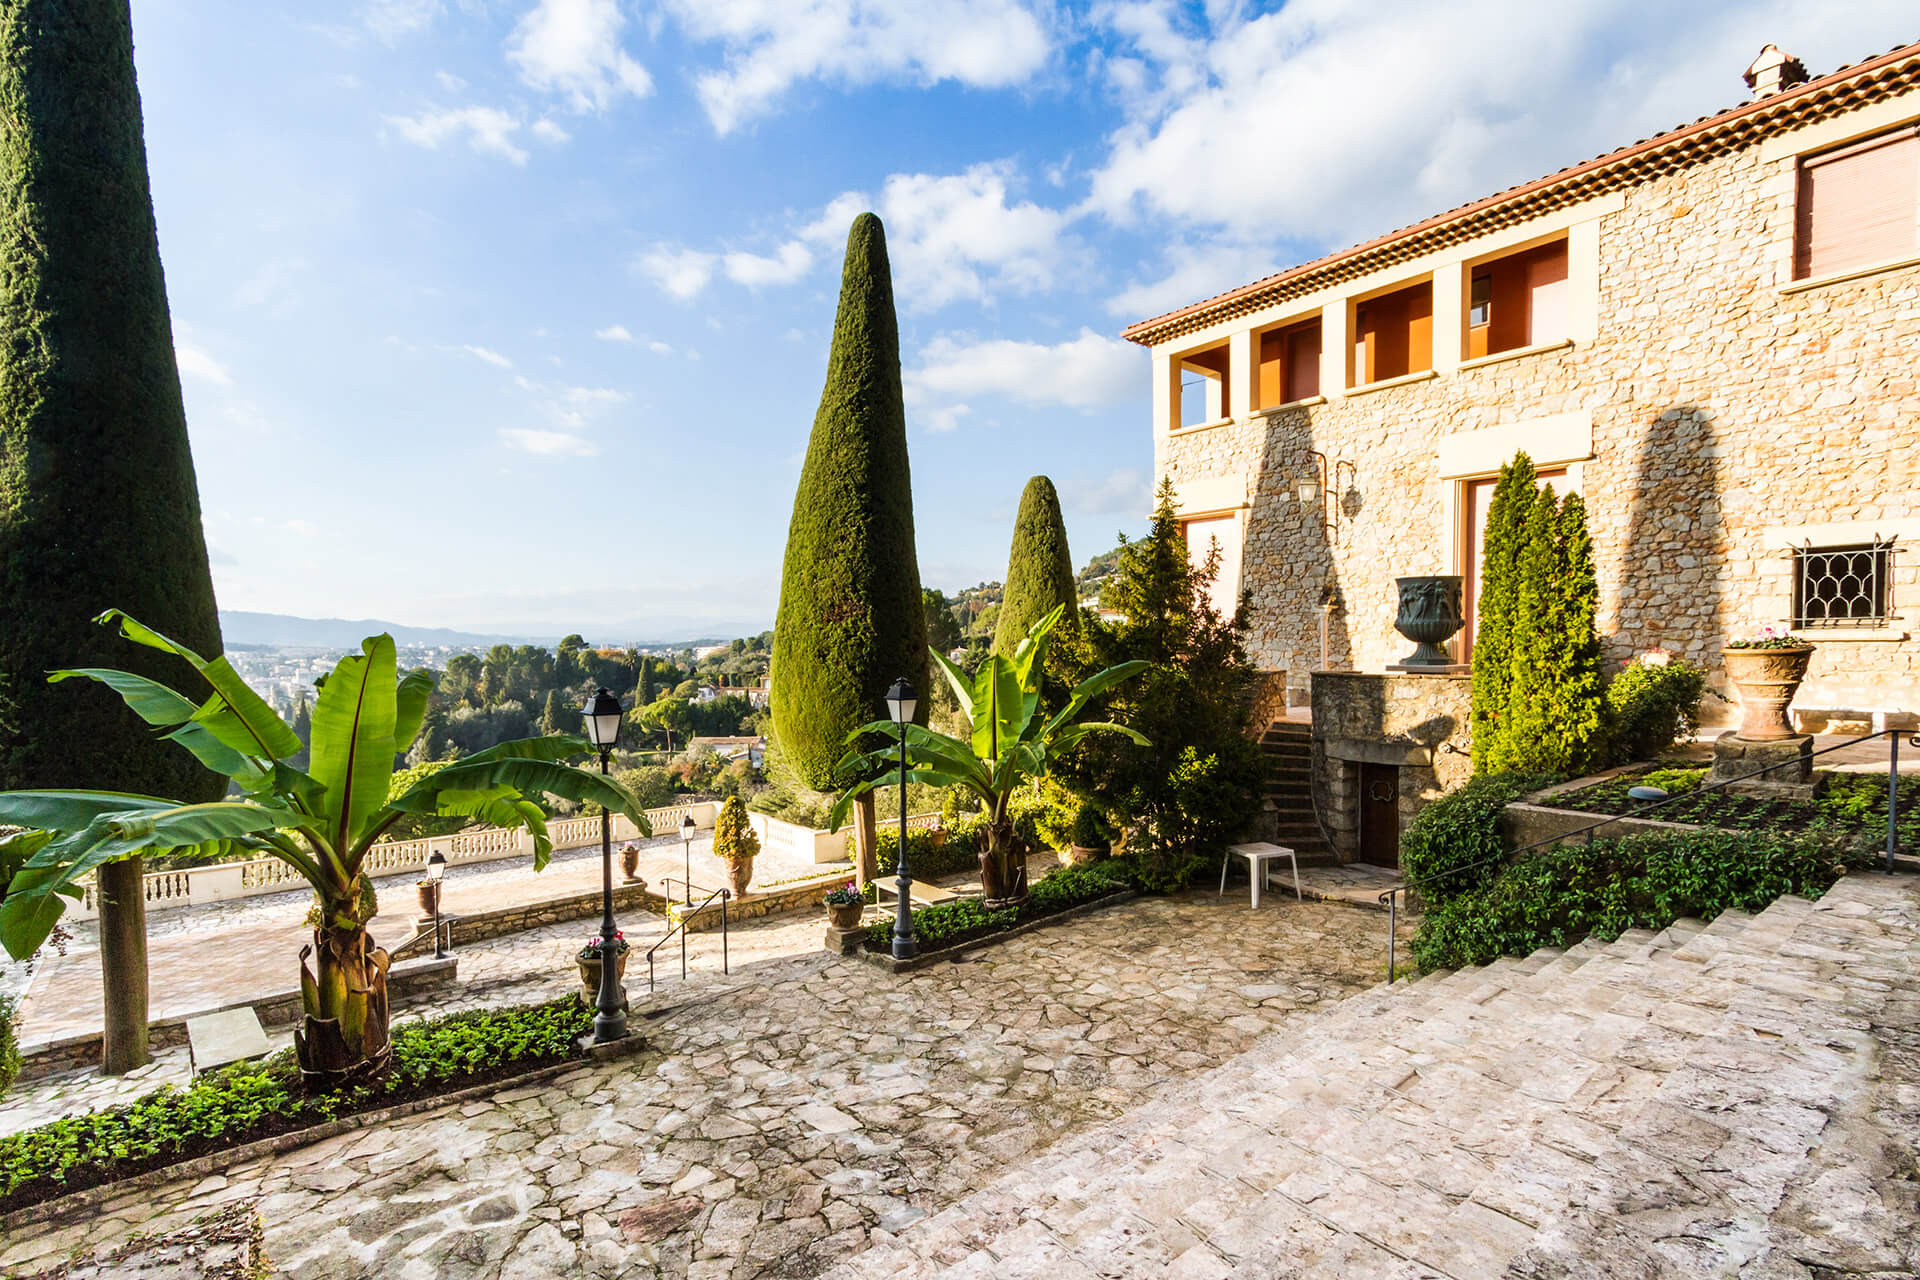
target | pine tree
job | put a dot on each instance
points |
(1039, 570)
(98, 504)
(550, 715)
(645, 696)
(1557, 693)
(1513, 500)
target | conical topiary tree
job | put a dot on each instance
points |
(850, 620)
(1556, 692)
(1039, 570)
(98, 505)
(1513, 499)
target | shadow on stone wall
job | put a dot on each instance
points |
(1291, 544)
(1664, 575)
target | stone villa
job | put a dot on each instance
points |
(1712, 334)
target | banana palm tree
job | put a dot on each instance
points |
(1011, 744)
(321, 821)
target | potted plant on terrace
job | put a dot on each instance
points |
(735, 843)
(844, 906)
(1090, 841)
(1011, 746)
(588, 958)
(321, 821)
(1767, 668)
(629, 862)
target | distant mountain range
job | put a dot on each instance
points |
(284, 631)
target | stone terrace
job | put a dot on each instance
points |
(787, 1116)
(1741, 1098)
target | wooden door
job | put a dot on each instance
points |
(1380, 814)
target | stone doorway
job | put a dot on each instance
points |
(1380, 814)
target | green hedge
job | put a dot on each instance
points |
(927, 859)
(1460, 829)
(9, 1044)
(954, 922)
(261, 1099)
(1646, 881)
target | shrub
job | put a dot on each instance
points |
(1513, 499)
(733, 835)
(1651, 707)
(927, 857)
(653, 786)
(1555, 702)
(259, 1099)
(415, 826)
(1644, 881)
(9, 1045)
(1461, 829)
(1090, 830)
(954, 922)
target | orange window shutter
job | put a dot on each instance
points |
(1858, 205)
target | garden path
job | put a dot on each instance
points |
(787, 1112)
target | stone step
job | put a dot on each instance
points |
(1451, 1123)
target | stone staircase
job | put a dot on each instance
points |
(1740, 1098)
(1287, 748)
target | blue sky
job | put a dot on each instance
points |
(512, 314)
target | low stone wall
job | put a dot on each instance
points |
(478, 926)
(803, 896)
(405, 982)
(1269, 701)
(1524, 824)
(1420, 724)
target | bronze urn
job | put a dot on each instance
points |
(1430, 612)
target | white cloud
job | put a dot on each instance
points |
(1090, 371)
(944, 418)
(572, 48)
(491, 357)
(958, 236)
(392, 19)
(548, 131)
(772, 45)
(195, 363)
(659, 348)
(593, 395)
(788, 265)
(614, 333)
(449, 81)
(547, 443)
(680, 272)
(486, 128)
(1192, 273)
(1122, 491)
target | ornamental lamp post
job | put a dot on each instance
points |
(901, 703)
(602, 716)
(686, 854)
(436, 876)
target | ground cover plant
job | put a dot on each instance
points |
(1645, 881)
(1850, 811)
(1456, 844)
(255, 1100)
(951, 923)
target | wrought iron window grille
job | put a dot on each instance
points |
(1849, 586)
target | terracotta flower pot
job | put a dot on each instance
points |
(1080, 856)
(630, 864)
(739, 875)
(590, 979)
(429, 895)
(845, 916)
(1767, 680)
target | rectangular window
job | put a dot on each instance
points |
(1289, 364)
(1518, 301)
(1843, 586)
(1393, 334)
(1858, 205)
(1203, 386)
(1205, 533)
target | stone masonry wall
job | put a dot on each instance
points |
(1418, 723)
(1721, 406)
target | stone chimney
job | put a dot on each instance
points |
(1774, 72)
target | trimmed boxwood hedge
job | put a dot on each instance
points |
(255, 1100)
(951, 923)
(1643, 881)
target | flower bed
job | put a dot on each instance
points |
(1850, 811)
(252, 1101)
(954, 924)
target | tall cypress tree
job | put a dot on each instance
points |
(1530, 677)
(1513, 500)
(98, 505)
(850, 620)
(1554, 702)
(1039, 570)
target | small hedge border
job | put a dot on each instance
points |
(251, 1101)
(1644, 881)
(951, 924)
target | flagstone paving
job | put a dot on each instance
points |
(785, 1113)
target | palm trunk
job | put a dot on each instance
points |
(1003, 874)
(123, 965)
(866, 832)
(343, 1037)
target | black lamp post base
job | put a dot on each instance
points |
(631, 1042)
(607, 1028)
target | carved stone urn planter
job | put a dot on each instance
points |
(629, 863)
(1767, 680)
(1430, 612)
(845, 915)
(590, 976)
(739, 875)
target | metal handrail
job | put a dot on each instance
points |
(1390, 899)
(680, 927)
